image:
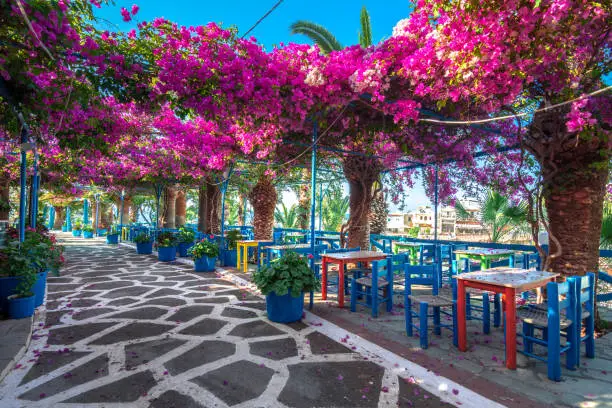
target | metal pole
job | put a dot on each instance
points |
(22, 180)
(313, 189)
(244, 212)
(68, 219)
(224, 184)
(320, 207)
(51, 217)
(436, 207)
(34, 194)
(121, 215)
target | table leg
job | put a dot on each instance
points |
(510, 302)
(245, 258)
(341, 285)
(238, 256)
(484, 263)
(324, 278)
(461, 316)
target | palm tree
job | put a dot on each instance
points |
(499, 216)
(326, 41)
(287, 217)
(606, 227)
(335, 208)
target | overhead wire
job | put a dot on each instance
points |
(278, 3)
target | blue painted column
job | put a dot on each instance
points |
(436, 248)
(85, 212)
(22, 185)
(97, 198)
(51, 217)
(69, 218)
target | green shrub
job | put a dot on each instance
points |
(185, 236)
(204, 249)
(291, 271)
(142, 238)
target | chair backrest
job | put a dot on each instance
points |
(396, 262)
(531, 261)
(425, 275)
(427, 252)
(585, 293)
(445, 252)
(561, 297)
(277, 237)
(502, 262)
(464, 265)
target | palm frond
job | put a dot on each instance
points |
(365, 36)
(461, 211)
(320, 35)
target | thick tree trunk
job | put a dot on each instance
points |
(106, 216)
(575, 210)
(241, 205)
(574, 172)
(303, 218)
(59, 217)
(378, 214)
(263, 199)
(127, 202)
(361, 173)
(209, 208)
(169, 208)
(181, 208)
(4, 200)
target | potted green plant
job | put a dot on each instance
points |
(76, 229)
(113, 236)
(284, 283)
(204, 255)
(20, 265)
(88, 231)
(230, 256)
(144, 244)
(166, 247)
(185, 240)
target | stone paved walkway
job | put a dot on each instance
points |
(123, 330)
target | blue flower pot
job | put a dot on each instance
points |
(101, 232)
(64, 228)
(166, 254)
(205, 264)
(88, 234)
(229, 257)
(183, 247)
(145, 248)
(21, 307)
(7, 288)
(40, 288)
(112, 239)
(284, 309)
(76, 233)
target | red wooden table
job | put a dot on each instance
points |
(508, 282)
(342, 259)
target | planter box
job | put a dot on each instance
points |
(229, 257)
(112, 239)
(166, 254)
(88, 234)
(205, 264)
(183, 247)
(284, 309)
(7, 288)
(76, 233)
(145, 248)
(20, 307)
(40, 288)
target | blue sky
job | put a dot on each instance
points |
(341, 17)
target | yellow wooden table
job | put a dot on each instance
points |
(242, 247)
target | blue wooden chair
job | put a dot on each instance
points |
(316, 264)
(484, 298)
(556, 320)
(426, 275)
(376, 288)
(426, 254)
(585, 310)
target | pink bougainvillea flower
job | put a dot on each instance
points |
(135, 9)
(126, 14)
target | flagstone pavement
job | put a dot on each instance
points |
(124, 330)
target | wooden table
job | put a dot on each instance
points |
(508, 282)
(412, 247)
(342, 259)
(245, 245)
(484, 255)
